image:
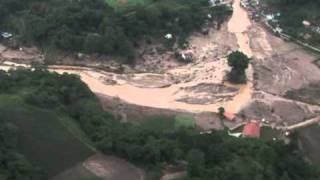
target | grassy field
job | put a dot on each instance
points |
(169, 123)
(184, 122)
(43, 139)
(160, 123)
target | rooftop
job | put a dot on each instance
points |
(252, 129)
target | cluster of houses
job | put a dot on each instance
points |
(252, 128)
(257, 12)
(271, 17)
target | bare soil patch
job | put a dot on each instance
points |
(104, 167)
(109, 167)
(281, 66)
(207, 93)
(75, 173)
(279, 110)
(204, 99)
(290, 113)
(260, 109)
(284, 78)
(309, 94)
(137, 113)
(150, 80)
(24, 55)
(210, 88)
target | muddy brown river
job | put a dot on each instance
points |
(167, 97)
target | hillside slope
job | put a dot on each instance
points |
(299, 18)
(42, 138)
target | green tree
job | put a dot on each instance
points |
(196, 162)
(285, 176)
(239, 62)
(221, 111)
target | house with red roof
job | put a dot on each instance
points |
(252, 129)
(229, 116)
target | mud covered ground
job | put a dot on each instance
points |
(127, 112)
(283, 82)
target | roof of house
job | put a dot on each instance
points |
(229, 116)
(306, 23)
(252, 129)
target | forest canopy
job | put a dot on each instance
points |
(92, 26)
(293, 13)
(209, 156)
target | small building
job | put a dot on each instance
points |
(229, 116)
(269, 17)
(168, 36)
(214, 2)
(252, 129)
(306, 23)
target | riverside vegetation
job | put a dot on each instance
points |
(92, 26)
(208, 156)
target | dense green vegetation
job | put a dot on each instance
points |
(47, 139)
(46, 151)
(92, 26)
(239, 62)
(184, 122)
(13, 165)
(293, 12)
(120, 4)
(152, 144)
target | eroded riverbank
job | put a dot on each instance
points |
(195, 87)
(277, 68)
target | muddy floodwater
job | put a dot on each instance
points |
(239, 25)
(196, 87)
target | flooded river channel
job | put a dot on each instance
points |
(164, 91)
